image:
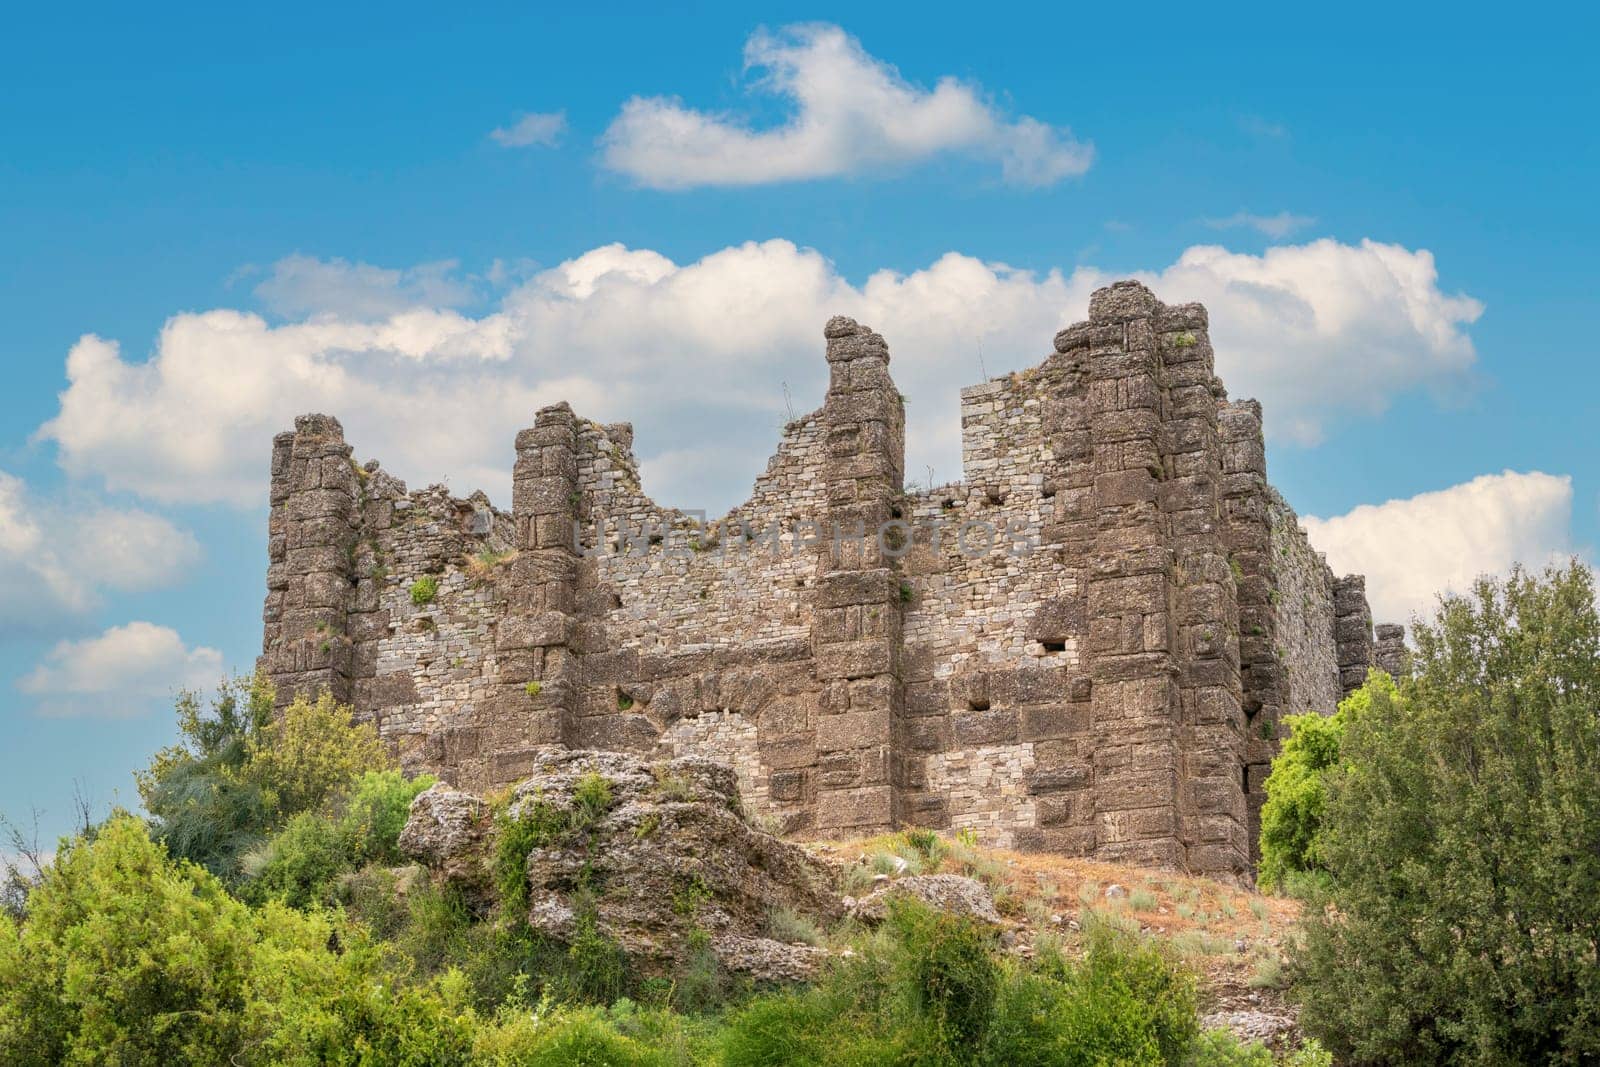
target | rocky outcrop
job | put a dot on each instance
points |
(954, 893)
(447, 831)
(658, 856)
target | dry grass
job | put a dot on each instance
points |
(1232, 936)
(485, 566)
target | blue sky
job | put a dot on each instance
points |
(314, 207)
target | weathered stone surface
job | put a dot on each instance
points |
(953, 893)
(1113, 598)
(671, 853)
(446, 831)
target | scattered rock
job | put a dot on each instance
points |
(1115, 892)
(1250, 1025)
(948, 892)
(767, 960)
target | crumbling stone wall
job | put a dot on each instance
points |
(1086, 645)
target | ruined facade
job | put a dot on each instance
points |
(1084, 647)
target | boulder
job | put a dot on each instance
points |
(953, 893)
(661, 859)
(448, 832)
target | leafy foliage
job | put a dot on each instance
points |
(310, 754)
(376, 811)
(128, 957)
(202, 809)
(1291, 819)
(239, 773)
(1461, 830)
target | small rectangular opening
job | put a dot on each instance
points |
(1054, 646)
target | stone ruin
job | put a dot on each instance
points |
(1085, 647)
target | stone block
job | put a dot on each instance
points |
(1041, 722)
(1044, 780)
(787, 786)
(845, 588)
(969, 729)
(789, 753)
(854, 659)
(853, 729)
(533, 631)
(856, 810)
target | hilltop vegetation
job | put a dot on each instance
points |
(1444, 832)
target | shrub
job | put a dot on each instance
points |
(597, 969)
(376, 812)
(948, 971)
(578, 1037)
(200, 808)
(786, 925)
(311, 753)
(1292, 816)
(1219, 1048)
(424, 589)
(300, 865)
(1459, 832)
(124, 957)
(128, 957)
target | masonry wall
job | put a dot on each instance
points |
(1086, 646)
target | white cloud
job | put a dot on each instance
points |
(534, 129)
(696, 355)
(851, 113)
(1411, 550)
(306, 286)
(1276, 226)
(58, 555)
(118, 673)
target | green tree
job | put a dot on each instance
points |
(240, 771)
(1461, 830)
(311, 753)
(125, 956)
(201, 809)
(1291, 819)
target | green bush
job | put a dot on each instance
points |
(948, 972)
(424, 589)
(1459, 832)
(128, 957)
(301, 865)
(578, 1037)
(200, 808)
(1219, 1048)
(376, 811)
(1125, 1002)
(1292, 814)
(311, 753)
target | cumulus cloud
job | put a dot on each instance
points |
(697, 355)
(850, 113)
(1411, 550)
(1276, 226)
(530, 130)
(118, 673)
(58, 555)
(304, 286)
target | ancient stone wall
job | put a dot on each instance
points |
(1085, 646)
